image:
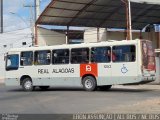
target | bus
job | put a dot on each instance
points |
(87, 65)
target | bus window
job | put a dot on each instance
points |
(79, 55)
(126, 53)
(26, 58)
(42, 57)
(12, 62)
(100, 54)
(60, 56)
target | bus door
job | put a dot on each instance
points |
(102, 57)
(124, 65)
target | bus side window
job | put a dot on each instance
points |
(60, 56)
(124, 53)
(100, 54)
(42, 57)
(26, 58)
(79, 55)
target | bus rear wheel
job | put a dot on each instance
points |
(27, 84)
(89, 83)
(43, 87)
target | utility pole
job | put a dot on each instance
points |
(37, 13)
(1, 13)
(128, 18)
(37, 9)
(33, 18)
(31, 22)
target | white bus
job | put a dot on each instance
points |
(90, 65)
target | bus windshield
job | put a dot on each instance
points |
(12, 62)
(148, 57)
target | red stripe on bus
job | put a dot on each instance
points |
(88, 69)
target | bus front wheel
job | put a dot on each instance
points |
(89, 83)
(27, 84)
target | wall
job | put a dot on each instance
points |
(48, 37)
(90, 35)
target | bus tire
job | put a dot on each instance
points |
(43, 87)
(27, 84)
(89, 83)
(105, 87)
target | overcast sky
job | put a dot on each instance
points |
(21, 18)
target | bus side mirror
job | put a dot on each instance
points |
(5, 56)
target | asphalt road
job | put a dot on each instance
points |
(76, 100)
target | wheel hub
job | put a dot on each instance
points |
(28, 85)
(88, 84)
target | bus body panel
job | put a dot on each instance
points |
(72, 74)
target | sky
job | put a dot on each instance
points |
(21, 18)
(22, 15)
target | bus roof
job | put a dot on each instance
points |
(105, 43)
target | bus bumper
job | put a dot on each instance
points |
(12, 82)
(143, 80)
(146, 79)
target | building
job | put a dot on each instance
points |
(15, 39)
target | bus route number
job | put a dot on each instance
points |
(107, 66)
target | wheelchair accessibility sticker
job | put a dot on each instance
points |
(124, 69)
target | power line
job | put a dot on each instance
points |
(16, 30)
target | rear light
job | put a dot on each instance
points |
(155, 64)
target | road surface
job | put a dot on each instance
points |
(120, 99)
